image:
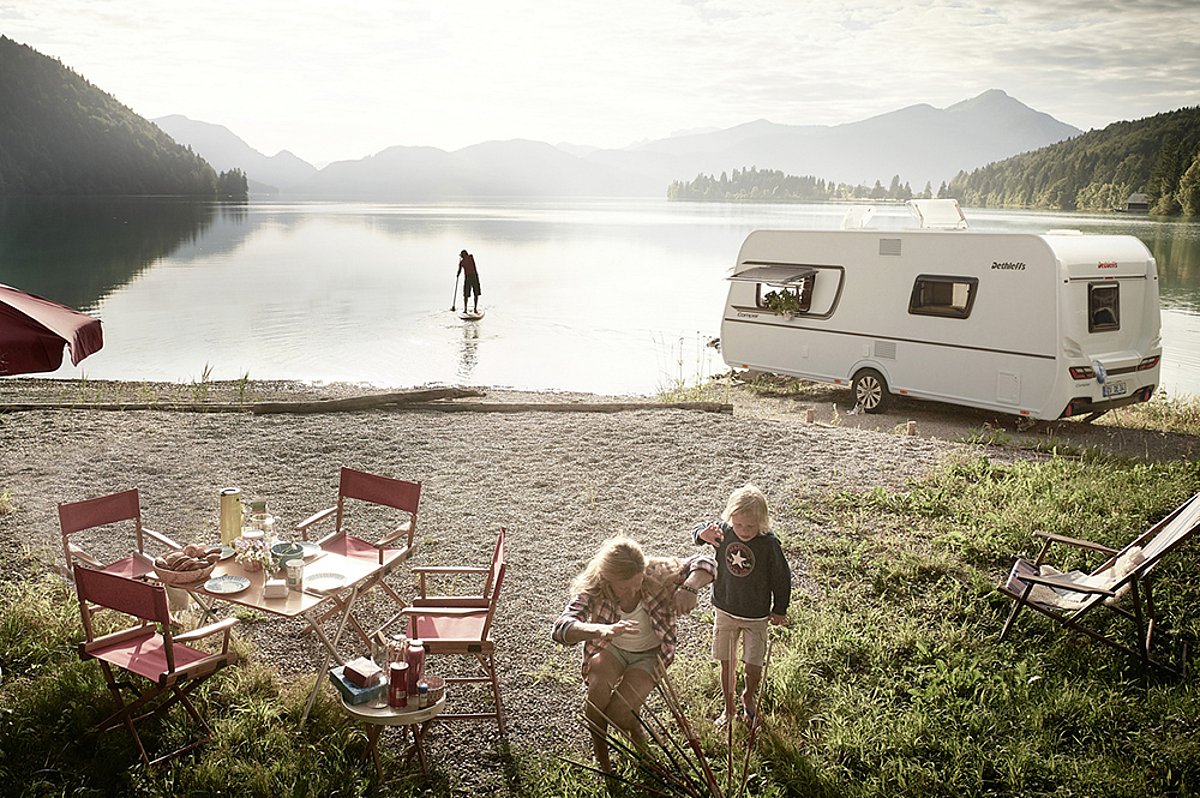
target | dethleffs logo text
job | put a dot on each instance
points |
(1008, 265)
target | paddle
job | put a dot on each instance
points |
(454, 299)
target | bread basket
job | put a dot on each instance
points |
(184, 578)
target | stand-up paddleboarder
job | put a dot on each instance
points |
(466, 267)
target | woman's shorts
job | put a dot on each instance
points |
(645, 660)
(726, 629)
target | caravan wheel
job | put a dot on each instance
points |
(871, 391)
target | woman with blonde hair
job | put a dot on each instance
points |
(623, 608)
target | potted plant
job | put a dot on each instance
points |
(784, 303)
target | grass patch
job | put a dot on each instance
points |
(1179, 414)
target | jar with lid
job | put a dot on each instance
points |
(416, 663)
(397, 648)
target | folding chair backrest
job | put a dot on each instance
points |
(397, 493)
(1174, 530)
(496, 581)
(103, 510)
(130, 596)
(497, 560)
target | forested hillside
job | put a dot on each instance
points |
(1158, 156)
(60, 134)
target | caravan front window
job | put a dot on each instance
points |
(794, 296)
(1104, 307)
(936, 295)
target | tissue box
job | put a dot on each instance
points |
(275, 588)
(363, 672)
(352, 693)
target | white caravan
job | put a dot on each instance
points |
(1042, 326)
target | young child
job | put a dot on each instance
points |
(753, 588)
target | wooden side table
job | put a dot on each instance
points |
(376, 715)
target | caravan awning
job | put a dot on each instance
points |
(775, 275)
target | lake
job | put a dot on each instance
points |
(610, 296)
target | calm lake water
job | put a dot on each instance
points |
(611, 296)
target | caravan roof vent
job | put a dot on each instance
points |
(940, 214)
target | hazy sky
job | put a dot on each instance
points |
(342, 80)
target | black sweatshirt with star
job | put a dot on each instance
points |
(753, 578)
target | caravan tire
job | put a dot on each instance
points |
(871, 391)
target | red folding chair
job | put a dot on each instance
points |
(115, 509)
(368, 494)
(462, 625)
(148, 650)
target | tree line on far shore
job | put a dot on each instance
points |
(1158, 156)
(771, 185)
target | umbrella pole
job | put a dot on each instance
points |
(454, 299)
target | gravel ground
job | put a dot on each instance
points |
(560, 483)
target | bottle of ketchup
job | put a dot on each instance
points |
(398, 685)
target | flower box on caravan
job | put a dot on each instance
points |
(1042, 326)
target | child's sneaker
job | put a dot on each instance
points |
(721, 721)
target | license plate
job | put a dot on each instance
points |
(1114, 388)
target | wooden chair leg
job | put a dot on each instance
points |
(491, 671)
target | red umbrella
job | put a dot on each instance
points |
(33, 331)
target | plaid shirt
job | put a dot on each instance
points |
(586, 608)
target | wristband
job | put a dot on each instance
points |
(689, 589)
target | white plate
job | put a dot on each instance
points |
(226, 552)
(324, 582)
(310, 549)
(227, 584)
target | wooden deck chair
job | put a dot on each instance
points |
(122, 509)
(461, 624)
(1125, 577)
(390, 548)
(148, 650)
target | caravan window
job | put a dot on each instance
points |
(792, 296)
(935, 295)
(1104, 307)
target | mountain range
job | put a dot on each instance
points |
(919, 143)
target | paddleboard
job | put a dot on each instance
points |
(467, 315)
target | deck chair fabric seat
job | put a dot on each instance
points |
(1073, 590)
(434, 624)
(148, 650)
(1122, 583)
(146, 656)
(351, 546)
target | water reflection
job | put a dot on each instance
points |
(78, 250)
(468, 356)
